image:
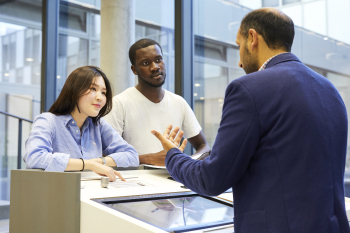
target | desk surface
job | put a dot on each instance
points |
(156, 181)
(98, 218)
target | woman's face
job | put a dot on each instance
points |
(94, 98)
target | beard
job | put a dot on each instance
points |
(251, 63)
(152, 84)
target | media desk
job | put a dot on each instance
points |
(75, 202)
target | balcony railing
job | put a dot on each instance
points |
(19, 143)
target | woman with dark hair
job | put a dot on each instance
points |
(73, 135)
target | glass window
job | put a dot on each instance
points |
(317, 43)
(209, 49)
(270, 3)
(95, 26)
(73, 53)
(210, 82)
(158, 26)
(216, 60)
(95, 53)
(72, 18)
(284, 2)
(20, 65)
(78, 46)
(32, 45)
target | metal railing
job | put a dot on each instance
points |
(19, 147)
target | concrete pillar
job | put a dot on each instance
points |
(117, 35)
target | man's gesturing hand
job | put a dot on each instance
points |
(171, 139)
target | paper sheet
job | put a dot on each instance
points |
(128, 184)
(154, 166)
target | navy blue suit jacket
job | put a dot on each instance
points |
(281, 146)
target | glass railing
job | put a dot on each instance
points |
(13, 132)
(19, 142)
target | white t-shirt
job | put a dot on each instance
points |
(134, 116)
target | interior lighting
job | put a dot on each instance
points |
(58, 77)
(201, 98)
(195, 94)
(29, 59)
(197, 84)
(325, 38)
(6, 74)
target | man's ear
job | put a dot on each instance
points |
(133, 69)
(253, 39)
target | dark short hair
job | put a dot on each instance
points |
(76, 85)
(277, 29)
(140, 44)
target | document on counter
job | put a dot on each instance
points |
(128, 184)
(154, 166)
(226, 196)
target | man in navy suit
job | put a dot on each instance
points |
(282, 140)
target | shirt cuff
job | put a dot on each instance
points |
(171, 153)
(58, 162)
(125, 160)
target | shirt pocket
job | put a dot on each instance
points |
(249, 222)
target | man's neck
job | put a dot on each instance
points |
(267, 54)
(154, 94)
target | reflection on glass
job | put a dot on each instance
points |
(73, 53)
(235, 73)
(73, 18)
(206, 48)
(210, 82)
(95, 53)
(284, 2)
(327, 54)
(20, 49)
(270, 3)
(177, 212)
(96, 26)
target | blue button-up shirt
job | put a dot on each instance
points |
(54, 139)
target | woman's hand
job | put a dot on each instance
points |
(95, 166)
(102, 170)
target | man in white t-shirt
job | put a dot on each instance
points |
(147, 106)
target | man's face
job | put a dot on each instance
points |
(247, 60)
(149, 66)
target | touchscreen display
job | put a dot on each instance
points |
(177, 212)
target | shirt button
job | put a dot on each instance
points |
(77, 131)
(73, 122)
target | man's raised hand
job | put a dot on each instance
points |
(171, 139)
